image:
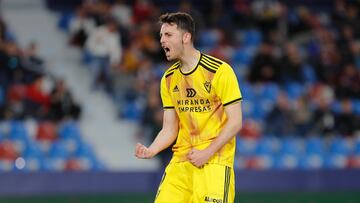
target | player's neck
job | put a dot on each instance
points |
(190, 59)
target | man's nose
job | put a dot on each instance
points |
(162, 40)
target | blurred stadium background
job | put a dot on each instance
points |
(79, 87)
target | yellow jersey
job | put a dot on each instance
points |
(199, 98)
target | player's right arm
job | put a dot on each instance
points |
(163, 140)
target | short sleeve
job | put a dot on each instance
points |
(165, 94)
(226, 85)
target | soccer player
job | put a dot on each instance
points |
(202, 112)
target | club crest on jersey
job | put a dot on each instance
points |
(207, 86)
(176, 89)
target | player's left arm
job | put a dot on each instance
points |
(231, 128)
(227, 88)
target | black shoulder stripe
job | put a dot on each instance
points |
(171, 71)
(233, 101)
(167, 75)
(168, 107)
(212, 59)
(210, 62)
(207, 68)
(210, 66)
(176, 67)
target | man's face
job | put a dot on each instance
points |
(171, 40)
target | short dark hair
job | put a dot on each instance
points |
(183, 20)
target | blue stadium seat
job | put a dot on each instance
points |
(18, 130)
(294, 90)
(356, 106)
(69, 130)
(209, 38)
(32, 150)
(265, 161)
(252, 37)
(314, 145)
(336, 107)
(247, 91)
(335, 161)
(311, 161)
(292, 146)
(85, 150)
(132, 111)
(270, 91)
(64, 20)
(6, 165)
(245, 146)
(32, 163)
(266, 145)
(58, 150)
(357, 147)
(309, 74)
(339, 146)
(241, 57)
(286, 161)
(53, 164)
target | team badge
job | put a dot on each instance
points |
(207, 86)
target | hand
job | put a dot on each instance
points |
(143, 152)
(199, 157)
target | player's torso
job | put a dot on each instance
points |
(198, 107)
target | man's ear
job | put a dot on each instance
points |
(186, 37)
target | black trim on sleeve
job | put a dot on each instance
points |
(233, 101)
(169, 74)
(168, 107)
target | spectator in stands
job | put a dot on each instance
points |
(323, 119)
(348, 85)
(187, 7)
(148, 43)
(291, 65)
(302, 116)
(346, 122)
(14, 107)
(264, 65)
(99, 11)
(143, 10)
(62, 104)
(105, 50)
(328, 65)
(80, 28)
(279, 121)
(33, 63)
(122, 13)
(11, 68)
(37, 100)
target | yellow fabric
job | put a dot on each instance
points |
(199, 98)
(184, 183)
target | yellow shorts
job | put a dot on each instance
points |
(184, 183)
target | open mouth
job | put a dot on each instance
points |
(166, 49)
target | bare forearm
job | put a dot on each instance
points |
(162, 141)
(228, 132)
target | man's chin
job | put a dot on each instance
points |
(169, 58)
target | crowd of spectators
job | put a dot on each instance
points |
(308, 53)
(27, 89)
(38, 114)
(298, 62)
